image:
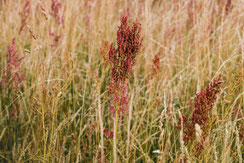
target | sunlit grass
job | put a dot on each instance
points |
(64, 101)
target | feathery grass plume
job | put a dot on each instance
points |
(201, 117)
(12, 78)
(24, 15)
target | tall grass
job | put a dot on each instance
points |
(63, 104)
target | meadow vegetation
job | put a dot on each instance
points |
(121, 81)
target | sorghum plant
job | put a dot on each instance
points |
(12, 78)
(196, 127)
(121, 60)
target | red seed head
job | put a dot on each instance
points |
(129, 42)
(203, 103)
(122, 59)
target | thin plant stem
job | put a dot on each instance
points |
(114, 137)
(43, 127)
(101, 126)
(128, 129)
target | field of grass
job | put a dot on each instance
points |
(57, 101)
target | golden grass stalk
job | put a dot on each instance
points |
(128, 128)
(101, 125)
